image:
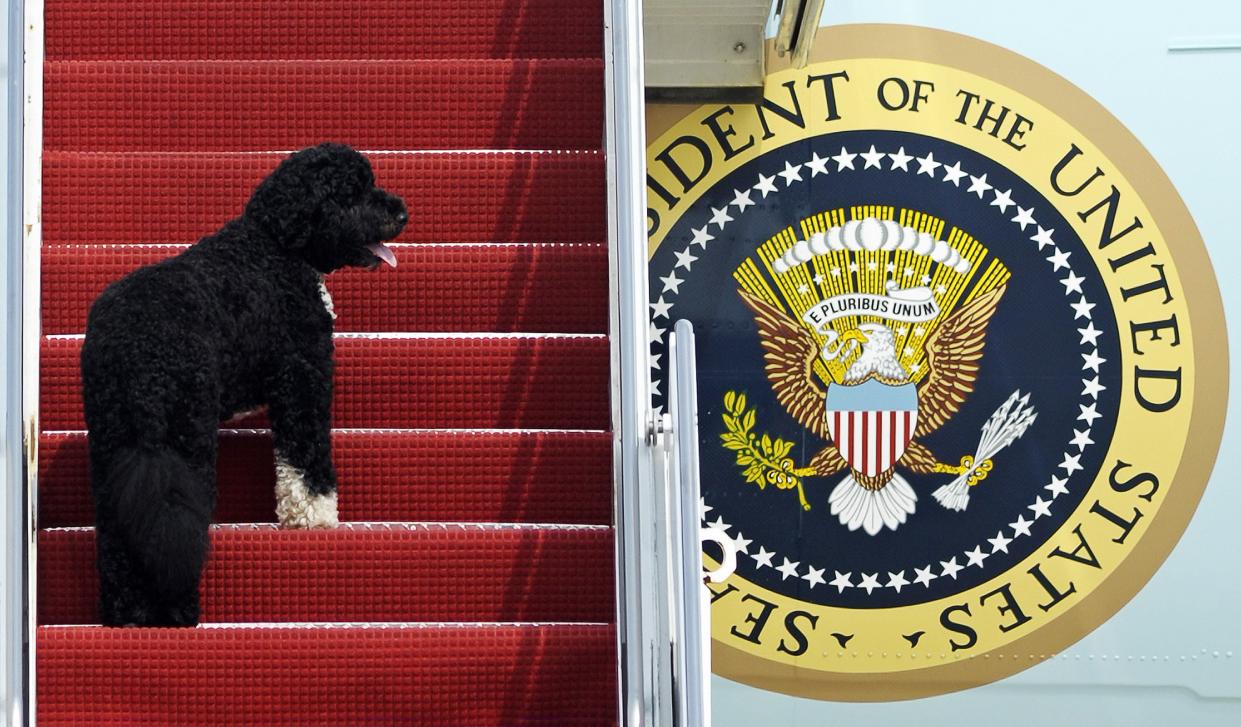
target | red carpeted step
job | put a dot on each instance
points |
(545, 674)
(91, 198)
(503, 287)
(259, 574)
(412, 475)
(270, 105)
(534, 382)
(321, 29)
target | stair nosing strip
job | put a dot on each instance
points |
(365, 526)
(363, 625)
(411, 336)
(233, 431)
(247, 62)
(368, 152)
(399, 245)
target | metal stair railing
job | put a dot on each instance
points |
(690, 601)
(662, 639)
(644, 661)
(19, 359)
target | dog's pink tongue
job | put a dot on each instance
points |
(383, 252)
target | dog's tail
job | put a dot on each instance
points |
(163, 512)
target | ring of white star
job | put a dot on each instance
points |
(1059, 260)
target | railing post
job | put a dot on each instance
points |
(689, 601)
(644, 672)
(686, 550)
(16, 647)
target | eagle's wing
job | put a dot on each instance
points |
(953, 352)
(790, 353)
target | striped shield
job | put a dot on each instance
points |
(871, 423)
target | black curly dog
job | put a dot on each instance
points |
(238, 321)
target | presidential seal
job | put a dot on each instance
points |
(961, 357)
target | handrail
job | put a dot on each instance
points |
(644, 659)
(690, 599)
(661, 604)
(685, 553)
(16, 646)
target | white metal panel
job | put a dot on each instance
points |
(704, 43)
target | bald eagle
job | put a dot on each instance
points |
(878, 359)
(953, 350)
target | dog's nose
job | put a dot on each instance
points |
(402, 218)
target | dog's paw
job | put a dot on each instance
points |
(296, 507)
(306, 510)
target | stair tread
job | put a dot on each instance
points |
(461, 675)
(496, 476)
(435, 288)
(133, 197)
(517, 381)
(367, 572)
(320, 29)
(284, 105)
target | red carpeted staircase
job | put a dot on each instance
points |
(472, 583)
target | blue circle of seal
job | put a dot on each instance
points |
(1053, 336)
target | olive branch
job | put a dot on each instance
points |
(765, 460)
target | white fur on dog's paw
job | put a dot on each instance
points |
(296, 507)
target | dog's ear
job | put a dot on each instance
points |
(287, 203)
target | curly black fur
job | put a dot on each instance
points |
(234, 323)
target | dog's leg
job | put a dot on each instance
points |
(301, 425)
(299, 506)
